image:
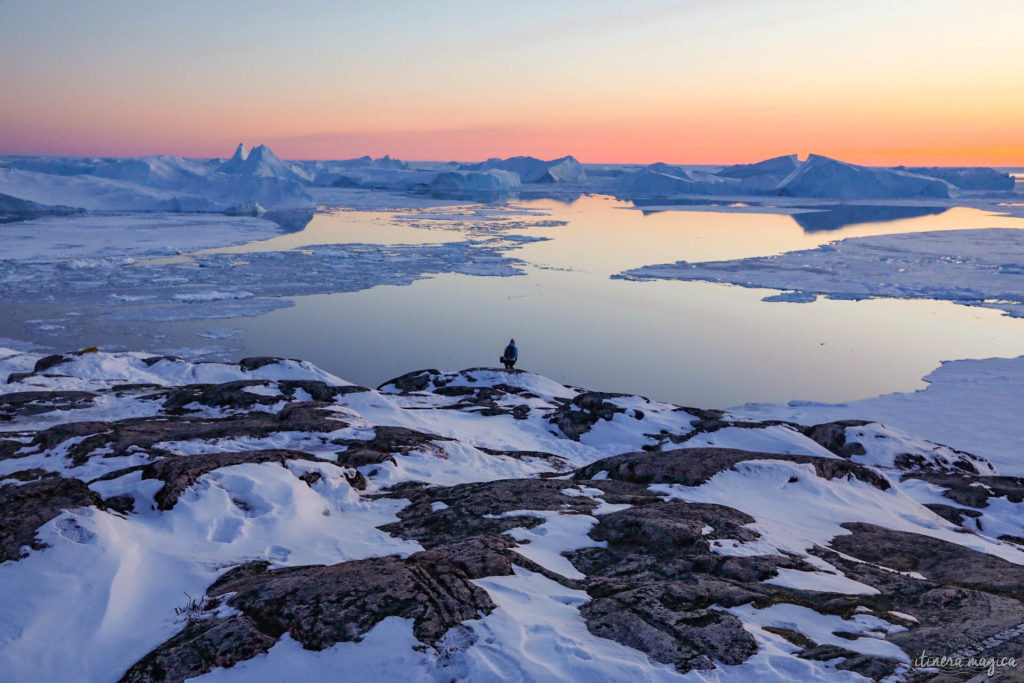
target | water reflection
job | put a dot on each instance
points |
(691, 343)
(291, 221)
(845, 215)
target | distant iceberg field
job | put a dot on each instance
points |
(250, 182)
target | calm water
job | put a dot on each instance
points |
(691, 343)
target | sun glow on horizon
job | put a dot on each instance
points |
(880, 83)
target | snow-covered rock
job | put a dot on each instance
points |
(265, 519)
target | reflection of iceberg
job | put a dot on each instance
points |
(843, 215)
(294, 220)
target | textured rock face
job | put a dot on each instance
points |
(387, 442)
(117, 438)
(200, 647)
(695, 466)
(319, 606)
(25, 508)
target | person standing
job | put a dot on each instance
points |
(511, 355)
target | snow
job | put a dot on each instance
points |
(774, 439)
(823, 582)
(821, 628)
(982, 267)
(759, 487)
(972, 405)
(544, 544)
(125, 575)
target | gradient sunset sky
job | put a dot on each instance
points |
(868, 81)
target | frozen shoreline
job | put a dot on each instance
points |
(986, 265)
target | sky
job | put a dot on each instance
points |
(691, 81)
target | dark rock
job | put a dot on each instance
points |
(51, 361)
(472, 509)
(26, 403)
(322, 605)
(257, 362)
(974, 491)
(385, 444)
(410, 382)
(122, 504)
(153, 360)
(832, 436)
(951, 513)
(660, 621)
(143, 433)
(200, 647)
(555, 461)
(576, 417)
(227, 395)
(318, 391)
(25, 508)
(939, 561)
(672, 526)
(695, 466)
(794, 637)
(24, 476)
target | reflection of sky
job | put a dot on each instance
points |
(876, 81)
(695, 343)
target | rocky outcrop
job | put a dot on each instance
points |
(319, 606)
(386, 443)
(200, 647)
(25, 508)
(695, 466)
(117, 438)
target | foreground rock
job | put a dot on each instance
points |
(288, 505)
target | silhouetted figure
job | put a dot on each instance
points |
(511, 355)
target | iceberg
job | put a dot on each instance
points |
(532, 170)
(491, 180)
(967, 178)
(827, 178)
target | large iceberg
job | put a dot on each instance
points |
(532, 170)
(663, 180)
(967, 178)
(475, 181)
(763, 175)
(158, 183)
(827, 178)
(261, 161)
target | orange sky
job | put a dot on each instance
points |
(687, 81)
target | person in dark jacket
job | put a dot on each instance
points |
(511, 355)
